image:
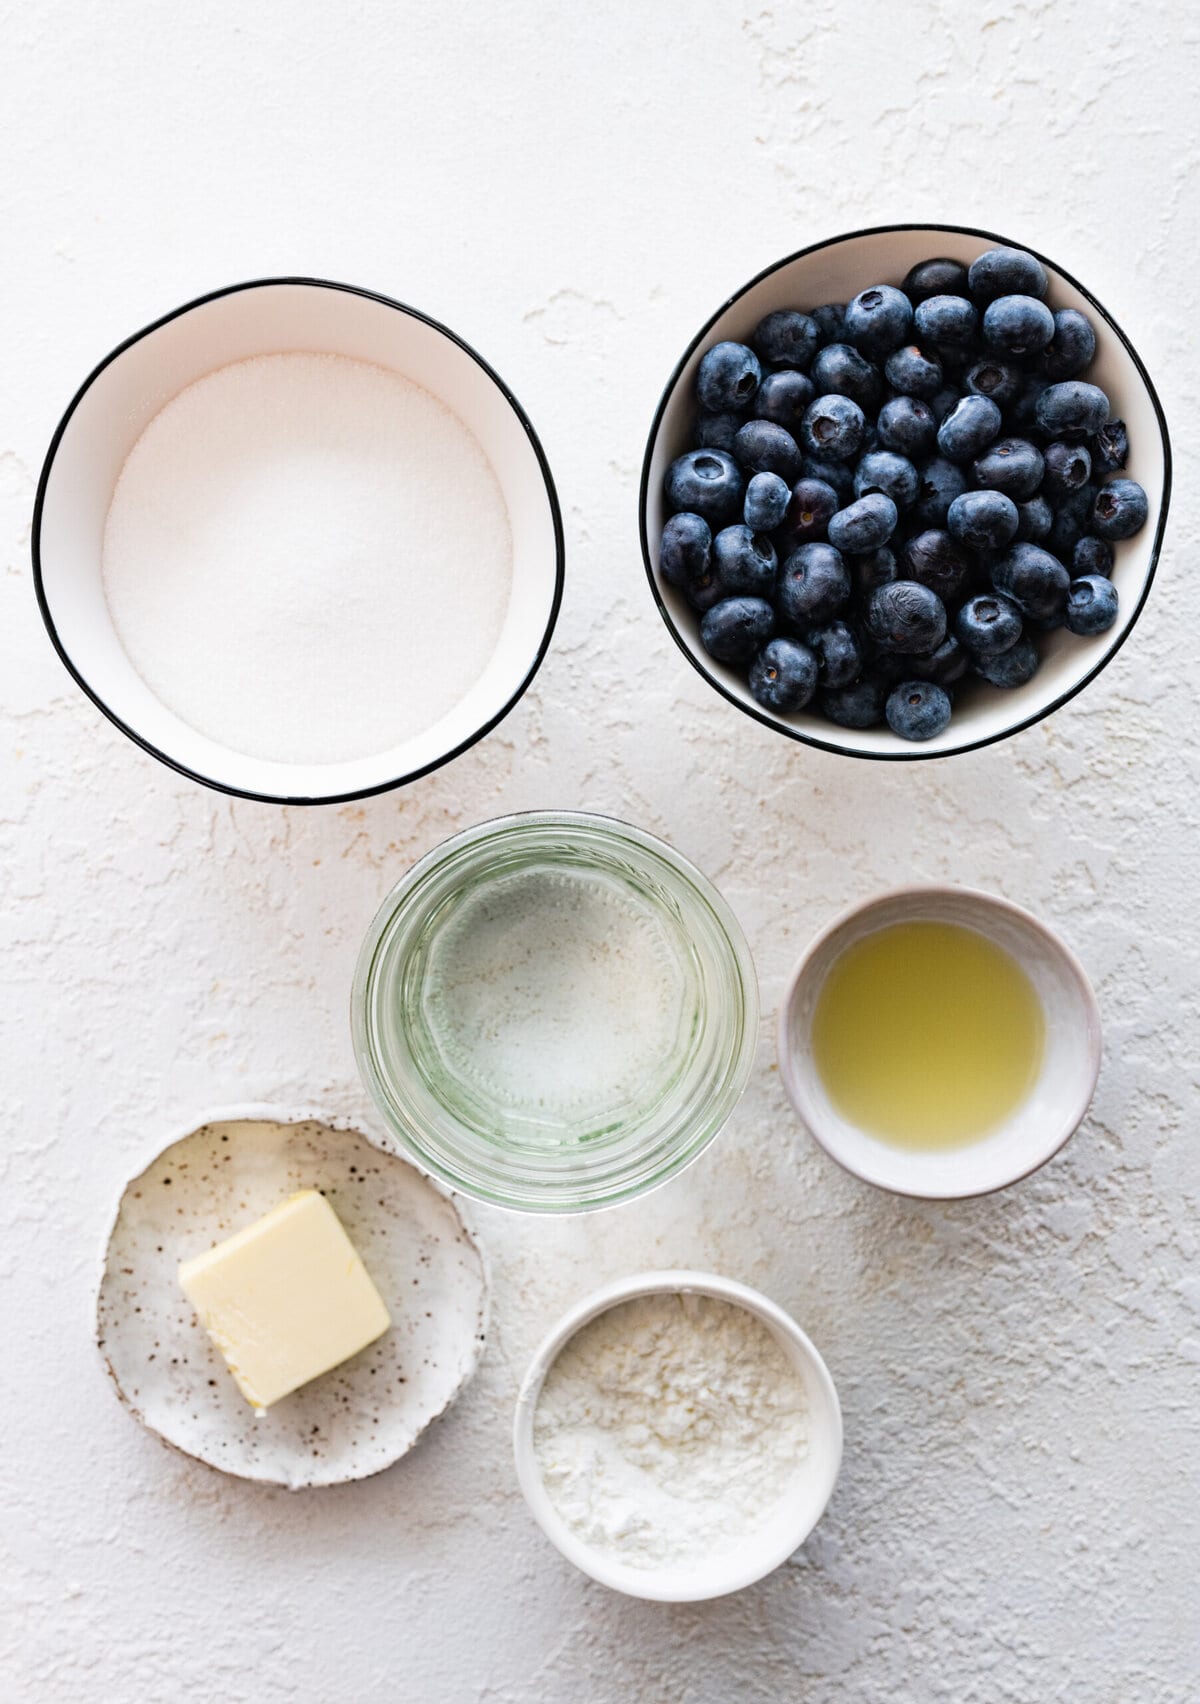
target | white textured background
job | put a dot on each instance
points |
(574, 189)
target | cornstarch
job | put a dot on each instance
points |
(669, 1428)
(307, 558)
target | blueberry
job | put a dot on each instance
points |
(727, 377)
(1092, 555)
(1072, 518)
(1120, 509)
(912, 373)
(891, 667)
(946, 322)
(989, 376)
(683, 553)
(830, 320)
(983, 520)
(935, 278)
(1091, 605)
(917, 709)
(813, 586)
(744, 562)
(969, 428)
(1006, 272)
(783, 397)
(1110, 447)
(1021, 412)
(1034, 580)
(984, 561)
(717, 431)
(1012, 667)
(1034, 520)
(838, 653)
(936, 560)
(1011, 465)
(908, 427)
(989, 624)
(941, 483)
(1068, 466)
(876, 568)
(947, 665)
(783, 676)
(706, 483)
(878, 319)
(856, 706)
(906, 616)
(1017, 325)
(763, 447)
(865, 525)
(840, 370)
(830, 472)
(766, 502)
(733, 630)
(704, 589)
(833, 428)
(884, 470)
(813, 504)
(1072, 346)
(1073, 410)
(945, 400)
(786, 338)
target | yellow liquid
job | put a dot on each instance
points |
(927, 1035)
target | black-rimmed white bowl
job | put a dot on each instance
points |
(118, 400)
(834, 271)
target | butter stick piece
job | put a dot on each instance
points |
(286, 1299)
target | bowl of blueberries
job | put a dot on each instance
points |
(905, 492)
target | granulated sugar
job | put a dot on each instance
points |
(308, 558)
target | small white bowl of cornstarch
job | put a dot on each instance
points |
(677, 1436)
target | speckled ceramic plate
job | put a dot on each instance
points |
(353, 1421)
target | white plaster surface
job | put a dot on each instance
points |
(574, 189)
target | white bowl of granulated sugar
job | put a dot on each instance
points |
(677, 1436)
(298, 541)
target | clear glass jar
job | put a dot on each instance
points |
(554, 1011)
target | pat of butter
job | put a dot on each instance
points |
(286, 1299)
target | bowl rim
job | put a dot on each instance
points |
(795, 1081)
(406, 1131)
(637, 1582)
(147, 745)
(916, 754)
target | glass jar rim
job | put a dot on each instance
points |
(558, 1190)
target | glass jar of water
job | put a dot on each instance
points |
(554, 1011)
